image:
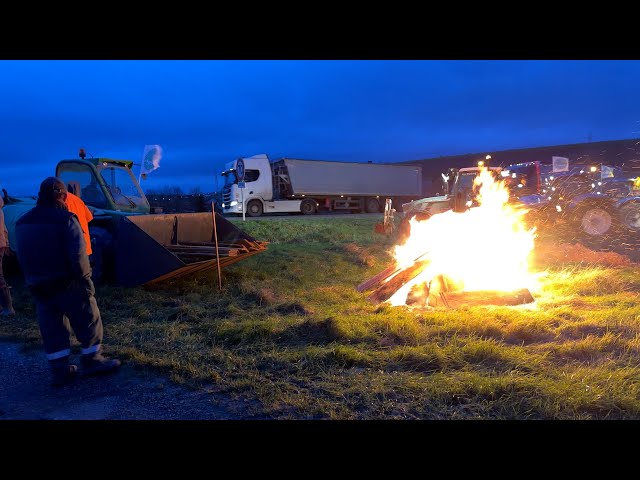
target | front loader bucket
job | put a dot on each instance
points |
(151, 248)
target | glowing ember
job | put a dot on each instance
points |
(485, 248)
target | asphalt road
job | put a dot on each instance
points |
(317, 216)
(26, 394)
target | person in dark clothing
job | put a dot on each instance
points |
(5, 294)
(53, 258)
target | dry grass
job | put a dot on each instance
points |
(575, 253)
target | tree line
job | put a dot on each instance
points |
(173, 199)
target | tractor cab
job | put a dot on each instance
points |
(461, 192)
(104, 184)
(465, 188)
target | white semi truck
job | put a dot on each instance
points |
(307, 186)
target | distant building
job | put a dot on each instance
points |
(621, 153)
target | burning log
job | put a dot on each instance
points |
(418, 295)
(457, 299)
(438, 286)
(445, 292)
(387, 289)
(441, 291)
(377, 279)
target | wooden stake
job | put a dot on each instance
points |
(215, 237)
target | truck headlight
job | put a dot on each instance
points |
(233, 203)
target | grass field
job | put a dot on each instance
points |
(290, 330)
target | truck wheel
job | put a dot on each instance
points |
(308, 207)
(597, 227)
(254, 208)
(372, 205)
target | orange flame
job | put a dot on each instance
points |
(485, 248)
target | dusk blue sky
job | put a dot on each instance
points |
(205, 113)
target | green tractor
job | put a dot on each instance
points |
(132, 243)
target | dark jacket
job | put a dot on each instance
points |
(4, 234)
(51, 249)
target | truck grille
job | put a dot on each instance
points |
(226, 194)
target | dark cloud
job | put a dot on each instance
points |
(206, 113)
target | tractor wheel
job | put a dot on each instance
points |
(254, 208)
(597, 227)
(308, 207)
(422, 216)
(403, 231)
(630, 216)
(629, 242)
(102, 257)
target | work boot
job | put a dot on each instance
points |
(96, 364)
(62, 372)
(6, 302)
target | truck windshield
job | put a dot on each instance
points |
(229, 177)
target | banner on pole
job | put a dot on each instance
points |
(606, 172)
(150, 159)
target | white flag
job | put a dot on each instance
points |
(150, 159)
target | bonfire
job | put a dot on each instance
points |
(480, 256)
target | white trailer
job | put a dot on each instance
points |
(292, 185)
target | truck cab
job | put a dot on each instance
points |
(258, 186)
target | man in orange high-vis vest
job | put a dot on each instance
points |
(77, 206)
